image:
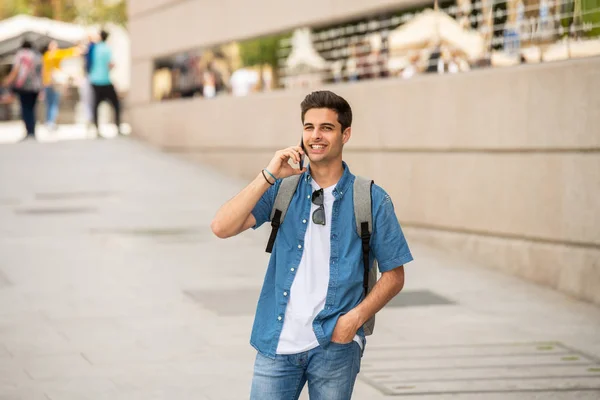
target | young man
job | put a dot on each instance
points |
(308, 323)
(99, 76)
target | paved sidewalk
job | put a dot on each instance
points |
(113, 287)
(14, 131)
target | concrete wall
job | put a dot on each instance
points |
(501, 165)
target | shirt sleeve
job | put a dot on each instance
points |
(59, 54)
(387, 241)
(262, 209)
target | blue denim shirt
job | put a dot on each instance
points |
(345, 290)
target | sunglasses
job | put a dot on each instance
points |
(318, 215)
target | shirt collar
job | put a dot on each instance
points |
(343, 184)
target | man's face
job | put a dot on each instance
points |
(323, 137)
(52, 45)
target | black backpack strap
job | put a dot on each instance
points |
(364, 220)
(365, 236)
(275, 222)
(282, 201)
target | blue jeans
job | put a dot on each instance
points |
(330, 372)
(52, 103)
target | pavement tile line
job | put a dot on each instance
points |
(59, 211)
(74, 195)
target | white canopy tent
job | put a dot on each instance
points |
(303, 55)
(40, 30)
(431, 28)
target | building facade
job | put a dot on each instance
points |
(501, 165)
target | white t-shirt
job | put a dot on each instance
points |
(309, 289)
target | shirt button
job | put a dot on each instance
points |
(292, 269)
(299, 246)
(303, 221)
(279, 318)
(285, 293)
(308, 197)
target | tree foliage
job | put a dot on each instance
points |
(260, 51)
(84, 12)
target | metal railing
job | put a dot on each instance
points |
(512, 32)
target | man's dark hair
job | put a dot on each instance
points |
(327, 99)
(103, 35)
(26, 44)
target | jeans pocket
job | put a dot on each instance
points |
(335, 344)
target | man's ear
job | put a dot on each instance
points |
(346, 135)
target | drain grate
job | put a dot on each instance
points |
(414, 298)
(54, 210)
(9, 201)
(163, 235)
(479, 369)
(243, 302)
(73, 195)
(239, 302)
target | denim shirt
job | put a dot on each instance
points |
(346, 270)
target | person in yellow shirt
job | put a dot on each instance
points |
(52, 57)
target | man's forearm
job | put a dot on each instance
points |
(388, 286)
(231, 216)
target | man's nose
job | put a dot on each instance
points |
(316, 134)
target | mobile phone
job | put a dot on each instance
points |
(302, 155)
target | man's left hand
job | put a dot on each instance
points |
(345, 329)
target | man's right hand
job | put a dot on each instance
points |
(280, 166)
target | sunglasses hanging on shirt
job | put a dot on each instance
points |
(318, 215)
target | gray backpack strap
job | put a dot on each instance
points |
(362, 203)
(364, 228)
(287, 188)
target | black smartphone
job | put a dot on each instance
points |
(302, 155)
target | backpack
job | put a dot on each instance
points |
(364, 226)
(29, 68)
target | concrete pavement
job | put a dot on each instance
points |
(113, 287)
(13, 131)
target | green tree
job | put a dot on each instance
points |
(10, 8)
(261, 51)
(579, 13)
(98, 12)
(591, 15)
(81, 11)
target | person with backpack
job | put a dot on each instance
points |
(25, 78)
(330, 229)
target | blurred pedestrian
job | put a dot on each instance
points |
(99, 77)
(25, 78)
(52, 78)
(86, 92)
